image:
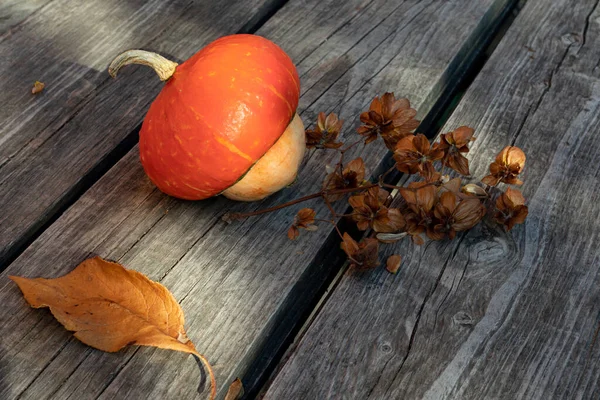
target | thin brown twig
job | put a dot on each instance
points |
(344, 150)
(433, 183)
(386, 173)
(323, 193)
(332, 222)
(330, 207)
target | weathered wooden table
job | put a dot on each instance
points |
(492, 315)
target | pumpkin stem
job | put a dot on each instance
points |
(163, 67)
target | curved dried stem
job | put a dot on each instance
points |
(164, 68)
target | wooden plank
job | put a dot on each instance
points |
(491, 315)
(14, 12)
(56, 143)
(235, 283)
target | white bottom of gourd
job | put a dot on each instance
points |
(276, 169)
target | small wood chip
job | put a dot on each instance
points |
(37, 87)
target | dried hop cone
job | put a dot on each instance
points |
(392, 119)
(326, 132)
(363, 255)
(305, 219)
(508, 165)
(511, 208)
(454, 144)
(352, 176)
(414, 154)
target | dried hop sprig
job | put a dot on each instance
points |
(325, 133)
(363, 255)
(511, 208)
(436, 207)
(508, 165)
(389, 117)
(352, 176)
(454, 144)
(305, 219)
(369, 211)
(414, 154)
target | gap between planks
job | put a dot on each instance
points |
(475, 54)
(431, 126)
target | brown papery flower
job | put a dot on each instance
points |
(369, 210)
(352, 176)
(453, 144)
(508, 165)
(363, 255)
(392, 119)
(511, 208)
(325, 134)
(455, 216)
(420, 198)
(305, 219)
(414, 154)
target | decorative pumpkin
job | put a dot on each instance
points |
(225, 121)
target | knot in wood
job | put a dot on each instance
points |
(462, 318)
(385, 348)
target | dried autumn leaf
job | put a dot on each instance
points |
(37, 87)
(393, 263)
(109, 307)
(235, 391)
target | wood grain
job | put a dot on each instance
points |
(491, 315)
(14, 12)
(55, 143)
(234, 282)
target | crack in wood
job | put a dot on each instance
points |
(587, 24)
(532, 109)
(420, 312)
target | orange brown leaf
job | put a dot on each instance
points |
(109, 307)
(236, 390)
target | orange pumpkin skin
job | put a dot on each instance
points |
(217, 115)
